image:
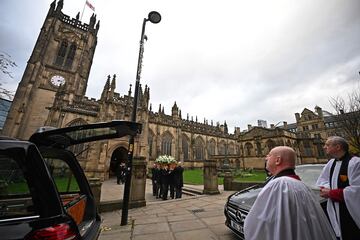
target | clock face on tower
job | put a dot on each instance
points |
(57, 80)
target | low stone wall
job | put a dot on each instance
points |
(231, 185)
(237, 186)
(310, 160)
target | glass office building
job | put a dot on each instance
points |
(4, 110)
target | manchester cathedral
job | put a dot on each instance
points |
(52, 93)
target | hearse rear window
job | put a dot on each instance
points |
(64, 178)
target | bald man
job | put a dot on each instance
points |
(286, 208)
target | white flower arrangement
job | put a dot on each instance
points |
(165, 159)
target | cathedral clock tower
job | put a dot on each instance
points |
(62, 56)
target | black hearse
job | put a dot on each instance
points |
(44, 193)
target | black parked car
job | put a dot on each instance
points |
(44, 193)
(238, 204)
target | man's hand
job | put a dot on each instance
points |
(336, 195)
(324, 192)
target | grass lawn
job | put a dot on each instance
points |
(62, 183)
(196, 176)
(255, 176)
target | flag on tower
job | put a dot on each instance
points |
(90, 5)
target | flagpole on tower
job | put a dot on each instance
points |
(82, 13)
(89, 5)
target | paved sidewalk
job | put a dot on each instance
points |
(198, 217)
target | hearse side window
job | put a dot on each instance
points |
(72, 199)
(15, 197)
(65, 180)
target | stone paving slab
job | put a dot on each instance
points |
(187, 216)
(200, 234)
(186, 225)
(151, 228)
(214, 220)
(155, 236)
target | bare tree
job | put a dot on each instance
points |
(348, 118)
(5, 65)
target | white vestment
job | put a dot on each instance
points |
(351, 193)
(286, 209)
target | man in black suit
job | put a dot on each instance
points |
(155, 177)
(164, 179)
(178, 180)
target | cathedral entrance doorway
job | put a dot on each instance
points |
(119, 156)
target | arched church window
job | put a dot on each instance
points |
(211, 147)
(222, 148)
(248, 149)
(185, 147)
(70, 56)
(166, 144)
(199, 149)
(231, 149)
(61, 53)
(66, 55)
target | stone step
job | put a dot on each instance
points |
(192, 191)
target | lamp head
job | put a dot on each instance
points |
(154, 17)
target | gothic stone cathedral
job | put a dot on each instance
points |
(52, 93)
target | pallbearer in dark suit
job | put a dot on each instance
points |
(164, 178)
(155, 177)
(171, 179)
(178, 180)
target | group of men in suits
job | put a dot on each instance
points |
(167, 177)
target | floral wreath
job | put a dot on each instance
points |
(165, 159)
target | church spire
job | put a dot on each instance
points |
(113, 82)
(105, 91)
(112, 87)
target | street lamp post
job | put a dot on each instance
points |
(153, 17)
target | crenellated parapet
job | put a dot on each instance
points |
(55, 11)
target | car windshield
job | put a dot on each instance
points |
(309, 174)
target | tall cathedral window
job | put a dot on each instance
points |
(62, 53)
(211, 147)
(185, 147)
(199, 149)
(221, 149)
(166, 144)
(70, 57)
(66, 55)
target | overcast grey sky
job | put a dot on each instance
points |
(233, 60)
